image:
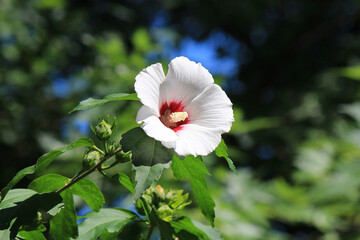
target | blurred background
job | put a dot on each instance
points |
(291, 68)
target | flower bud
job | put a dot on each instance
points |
(103, 130)
(165, 213)
(91, 158)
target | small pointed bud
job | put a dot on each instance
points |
(91, 158)
(103, 130)
(165, 213)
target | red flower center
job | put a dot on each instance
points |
(173, 116)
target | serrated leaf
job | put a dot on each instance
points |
(43, 162)
(126, 182)
(91, 103)
(202, 232)
(87, 190)
(146, 175)
(64, 224)
(193, 168)
(221, 151)
(25, 211)
(110, 219)
(146, 151)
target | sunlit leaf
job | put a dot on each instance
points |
(126, 182)
(20, 175)
(221, 151)
(146, 175)
(193, 168)
(31, 235)
(91, 103)
(25, 211)
(5, 234)
(87, 190)
(64, 224)
(110, 219)
(352, 72)
(212, 233)
(44, 161)
(199, 230)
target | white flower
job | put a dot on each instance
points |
(184, 110)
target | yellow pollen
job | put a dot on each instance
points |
(178, 117)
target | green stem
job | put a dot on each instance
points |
(98, 149)
(87, 172)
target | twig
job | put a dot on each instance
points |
(87, 172)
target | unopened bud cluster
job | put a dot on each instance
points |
(165, 203)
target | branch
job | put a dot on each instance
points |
(87, 172)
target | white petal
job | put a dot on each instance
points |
(197, 140)
(145, 112)
(212, 109)
(154, 128)
(184, 81)
(169, 144)
(147, 85)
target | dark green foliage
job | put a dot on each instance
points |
(149, 158)
(25, 212)
(44, 161)
(193, 169)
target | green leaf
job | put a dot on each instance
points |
(16, 195)
(194, 169)
(5, 234)
(166, 230)
(31, 235)
(91, 103)
(44, 161)
(110, 219)
(202, 232)
(353, 110)
(126, 182)
(20, 175)
(145, 150)
(64, 224)
(48, 183)
(221, 151)
(212, 233)
(22, 213)
(87, 190)
(47, 158)
(146, 175)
